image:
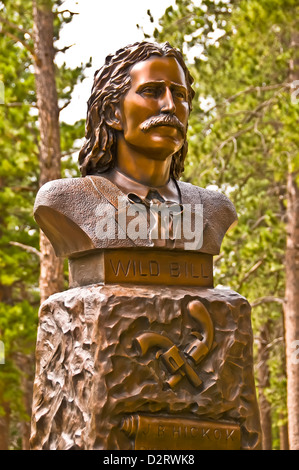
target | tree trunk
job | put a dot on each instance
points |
(291, 313)
(25, 364)
(283, 435)
(5, 294)
(4, 427)
(51, 271)
(263, 383)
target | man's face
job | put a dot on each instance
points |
(154, 112)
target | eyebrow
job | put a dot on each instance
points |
(161, 82)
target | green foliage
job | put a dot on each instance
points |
(19, 175)
(19, 269)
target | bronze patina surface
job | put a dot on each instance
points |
(106, 353)
(141, 352)
(153, 267)
(181, 434)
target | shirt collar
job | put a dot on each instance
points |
(169, 191)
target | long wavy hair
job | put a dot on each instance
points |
(111, 82)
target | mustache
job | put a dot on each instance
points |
(163, 120)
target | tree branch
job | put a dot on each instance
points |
(65, 105)
(66, 11)
(23, 188)
(232, 138)
(257, 223)
(64, 49)
(218, 258)
(229, 115)
(28, 248)
(266, 300)
(249, 115)
(14, 26)
(257, 89)
(71, 152)
(269, 346)
(22, 41)
(251, 271)
(16, 104)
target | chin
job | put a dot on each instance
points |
(160, 155)
(167, 144)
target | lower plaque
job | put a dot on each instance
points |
(170, 433)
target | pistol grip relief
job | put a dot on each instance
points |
(200, 347)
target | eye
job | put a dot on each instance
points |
(179, 94)
(151, 91)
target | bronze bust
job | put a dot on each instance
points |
(135, 144)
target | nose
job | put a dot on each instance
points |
(167, 102)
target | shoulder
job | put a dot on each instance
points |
(56, 192)
(67, 211)
(213, 201)
(218, 203)
(58, 211)
(219, 214)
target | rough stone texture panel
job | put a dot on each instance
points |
(90, 374)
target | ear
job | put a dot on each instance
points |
(113, 117)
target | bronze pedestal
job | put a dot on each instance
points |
(137, 367)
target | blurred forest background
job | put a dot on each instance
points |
(243, 140)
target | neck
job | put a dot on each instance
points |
(142, 168)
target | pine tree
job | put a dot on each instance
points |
(21, 173)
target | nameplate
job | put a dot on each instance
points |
(174, 433)
(142, 267)
(159, 268)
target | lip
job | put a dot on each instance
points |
(165, 124)
(176, 128)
